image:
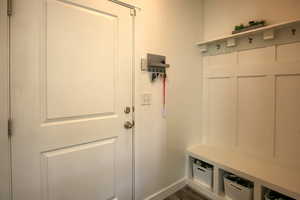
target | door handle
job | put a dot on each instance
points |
(129, 125)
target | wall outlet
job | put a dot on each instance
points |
(146, 99)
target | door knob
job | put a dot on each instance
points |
(128, 125)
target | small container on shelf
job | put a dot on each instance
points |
(203, 173)
(272, 195)
(237, 188)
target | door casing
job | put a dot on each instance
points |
(4, 103)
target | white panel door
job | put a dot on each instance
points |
(71, 80)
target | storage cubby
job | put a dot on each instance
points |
(235, 187)
(243, 180)
(202, 173)
(269, 194)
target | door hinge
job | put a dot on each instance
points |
(9, 127)
(9, 8)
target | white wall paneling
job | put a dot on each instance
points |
(221, 110)
(288, 52)
(287, 118)
(255, 111)
(252, 104)
(219, 93)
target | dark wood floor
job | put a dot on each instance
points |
(186, 193)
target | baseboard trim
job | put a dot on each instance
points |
(167, 191)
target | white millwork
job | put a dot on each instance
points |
(71, 81)
(262, 173)
(276, 34)
(4, 103)
(251, 102)
(251, 106)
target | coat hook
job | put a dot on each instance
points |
(294, 31)
(218, 46)
(250, 40)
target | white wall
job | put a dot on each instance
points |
(171, 28)
(220, 17)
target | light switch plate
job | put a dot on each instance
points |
(146, 99)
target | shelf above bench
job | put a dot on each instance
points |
(265, 172)
(256, 38)
(250, 32)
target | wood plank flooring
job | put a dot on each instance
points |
(186, 193)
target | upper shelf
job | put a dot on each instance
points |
(250, 32)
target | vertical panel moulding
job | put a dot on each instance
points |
(216, 180)
(206, 110)
(205, 98)
(221, 189)
(274, 79)
(276, 53)
(236, 82)
(188, 160)
(257, 194)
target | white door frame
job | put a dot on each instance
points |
(133, 10)
(5, 170)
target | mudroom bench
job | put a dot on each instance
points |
(227, 174)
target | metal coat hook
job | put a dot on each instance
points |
(250, 40)
(156, 65)
(294, 31)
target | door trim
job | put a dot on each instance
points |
(133, 92)
(124, 4)
(5, 169)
